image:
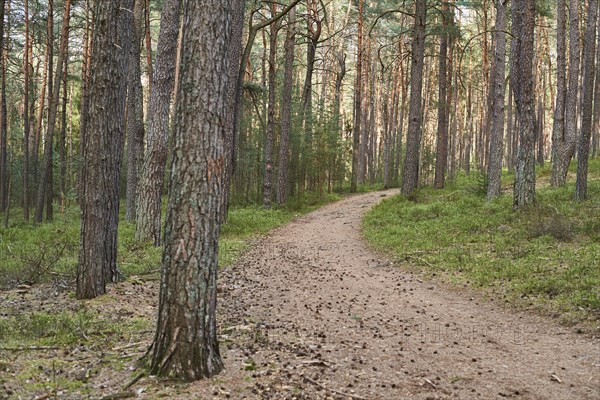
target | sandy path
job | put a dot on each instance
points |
(311, 312)
(316, 314)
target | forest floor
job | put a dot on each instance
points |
(310, 312)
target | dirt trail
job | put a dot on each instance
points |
(311, 312)
(329, 319)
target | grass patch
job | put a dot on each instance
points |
(547, 256)
(65, 328)
(49, 252)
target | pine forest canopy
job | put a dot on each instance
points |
(116, 104)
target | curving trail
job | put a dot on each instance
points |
(311, 312)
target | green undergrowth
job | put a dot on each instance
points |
(546, 257)
(67, 328)
(49, 252)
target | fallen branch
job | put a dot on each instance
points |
(134, 380)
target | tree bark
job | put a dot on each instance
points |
(103, 150)
(596, 123)
(233, 97)
(86, 60)
(286, 109)
(63, 131)
(356, 129)
(441, 154)
(498, 88)
(44, 193)
(268, 176)
(589, 55)
(27, 87)
(3, 111)
(135, 115)
(564, 143)
(306, 115)
(149, 204)
(410, 172)
(185, 344)
(523, 14)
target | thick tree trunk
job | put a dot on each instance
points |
(185, 344)
(589, 55)
(149, 204)
(44, 193)
(103, 150)
(441, 153)
(498, 88)
(523, 14)
(564, 142)
(286, 109)
(410, 172)
(135, 115)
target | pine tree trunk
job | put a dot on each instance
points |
(596, 122)
(268, 175)
(85, 82)
(286, 109)
(356, 130)
(589, 55)
(233, 96)
(564, 142)
(494, 172)
(410, 173)
(149, 204)
(3, 111)
(314, 33)
(523, 14)
(103, 152)
(185, 344)
(44, 192)
(63, 133)
(135, 115)
(27, 70)
(441, 158)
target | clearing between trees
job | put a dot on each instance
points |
(310, 312)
